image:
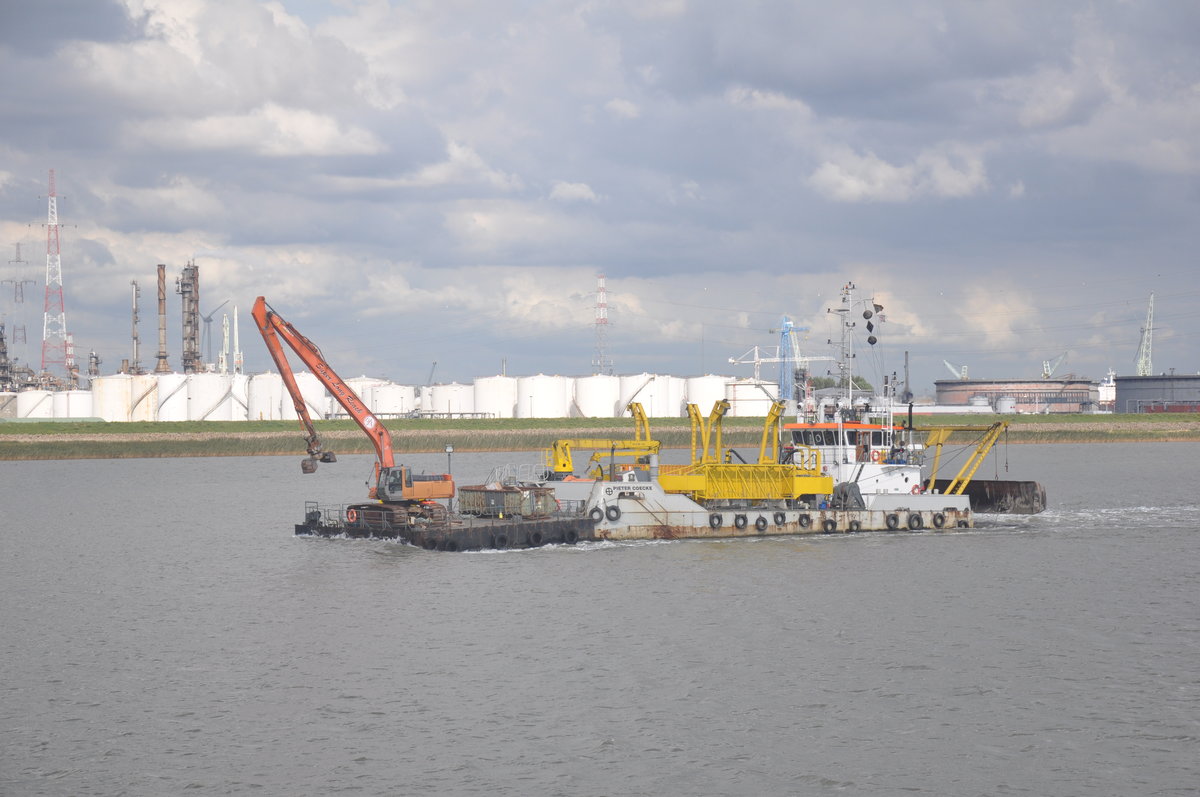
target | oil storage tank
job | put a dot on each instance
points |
(391, 400)
(705, 391)
(264, 396)
(452, 399)
(314, 395)
(112, 397)
(210, 397)
(172, 397)
(596, 396)
(496, 396)
(73, 404)
(749, 398)
(543, 396)
(143, 397)
(35, 404)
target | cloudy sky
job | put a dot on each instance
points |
(442, 180)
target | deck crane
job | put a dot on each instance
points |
(403, 496)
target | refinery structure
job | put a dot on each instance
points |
(208, 388)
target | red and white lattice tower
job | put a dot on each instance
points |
(601, 362)
(55, 345)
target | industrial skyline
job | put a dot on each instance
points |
(420, 183)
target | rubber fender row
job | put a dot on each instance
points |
(611, 512)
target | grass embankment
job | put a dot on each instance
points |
(98, 440)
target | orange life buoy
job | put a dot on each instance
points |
(877, 455)
(351, 515)
(916, 490)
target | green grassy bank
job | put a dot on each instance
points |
(98, 440)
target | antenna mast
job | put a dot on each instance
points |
(601, 362)
(54, 318)
(1145, 366)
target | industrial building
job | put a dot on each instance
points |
(1020, 395)
(1163, 393)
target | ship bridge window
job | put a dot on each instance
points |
(877, 438)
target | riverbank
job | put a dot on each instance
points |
(99, 440)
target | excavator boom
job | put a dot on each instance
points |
(273, 328)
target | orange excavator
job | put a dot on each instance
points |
(403, 496)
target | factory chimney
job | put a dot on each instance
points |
(162, 367)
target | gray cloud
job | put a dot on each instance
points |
(1014, 178)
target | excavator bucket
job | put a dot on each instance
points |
(308, 465)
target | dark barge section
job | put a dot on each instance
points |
(1001, 496)
(455, 533)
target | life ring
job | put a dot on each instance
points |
(914, 521)
(892, 522)
(939, 520)
(760, 524)
(597, 514)
(805, 521)
(739, 521)
(780, 518)
(612, 512)
(570, 537)
(715, 520)
(877, 456)
(500, 541)
(916, 490)
(352, 515)
(829, 525)
(853, 525)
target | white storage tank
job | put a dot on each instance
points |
(660, 396)
(362, 387)
(73, 404)
(112, 397)
(35, 404)
(172, 397)
(749, 398)
(425, 398)
(8, 405)
(143, 397)
(543, 396)
(596, 396)
(705, 391)
(314, 395)
(210, 397)
(454, 398)
(496, 396)
(389, 399)
(265, 393)
(240, 395)
(669, 399)
(637, 387)
(1006, 405)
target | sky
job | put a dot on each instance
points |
(441, 181)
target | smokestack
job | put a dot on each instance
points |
(162, 367)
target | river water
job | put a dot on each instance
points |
(164, 632)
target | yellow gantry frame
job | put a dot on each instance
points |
(711, 477)
(560, 460)
(940, 434)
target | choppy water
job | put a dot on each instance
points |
(164, 632)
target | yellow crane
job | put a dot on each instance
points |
(560, 459)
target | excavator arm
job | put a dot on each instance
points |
(274, 329)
